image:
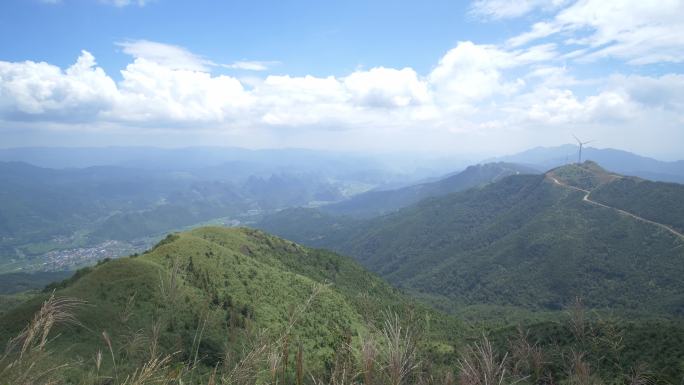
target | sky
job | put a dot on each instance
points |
(485, 77)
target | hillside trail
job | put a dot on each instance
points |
(627, 213)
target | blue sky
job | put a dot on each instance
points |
(483, 77)
(306, 37)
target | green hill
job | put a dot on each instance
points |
(211, 289)
(240, 302)
(375, 203)
(524, 241)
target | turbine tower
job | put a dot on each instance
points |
(581, 144)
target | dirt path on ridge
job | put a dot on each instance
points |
(627, 213)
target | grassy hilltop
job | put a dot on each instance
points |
(209, 292)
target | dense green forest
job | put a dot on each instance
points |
(524, 241)
(239, 306)
(375, 203)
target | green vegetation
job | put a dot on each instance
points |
(11, 283)
(238, 306)
(509, 260)
(375, 203)
(656, 201)
(522, 242)
(43, 210)
(229, 283)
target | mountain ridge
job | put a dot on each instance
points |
(523, 241)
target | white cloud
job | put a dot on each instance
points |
(539, 30)
(153, 92)
(29, 89)
(471, 72)
(475, 95)
(167, 55)
(387, 87)
(251, 65)
(637, 31)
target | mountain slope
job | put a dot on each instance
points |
(375, 203)
(623, 162)
(229, 283)
(527, 241)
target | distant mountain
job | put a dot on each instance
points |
(186, 158)
(530, 241)
(237, 164)
(374, 203)
(44, 209)
(623, 162)
(230, 284)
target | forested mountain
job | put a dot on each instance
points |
(530, 241)
(374, 203)
(623, 162)
(256, 308)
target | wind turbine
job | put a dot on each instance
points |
(581, 144)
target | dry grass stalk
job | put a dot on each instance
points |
(527, 358)
(28, 348)
(154, 338)
(274, 359)
(127, 312)
(299, 369)
(480, 365)
(108, 341)
(152, 372)
(52, 312)
(135, 342)
(400, 354)
(246, 370)
(639, 376)
(580, 371)
(578, 319)
(286, 354)
(169, 286)
(343, 371)
(369, 354)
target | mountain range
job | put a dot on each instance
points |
(525, 241)
(620, 161)
(375, 203)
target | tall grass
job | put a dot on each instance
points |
(388, 355)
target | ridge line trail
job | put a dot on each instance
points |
(588, 200)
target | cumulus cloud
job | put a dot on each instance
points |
(151, 91)
(29, 89)
(167, 55)
(475, 93)
(471, 72)
(251, 65)
(387, 87)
